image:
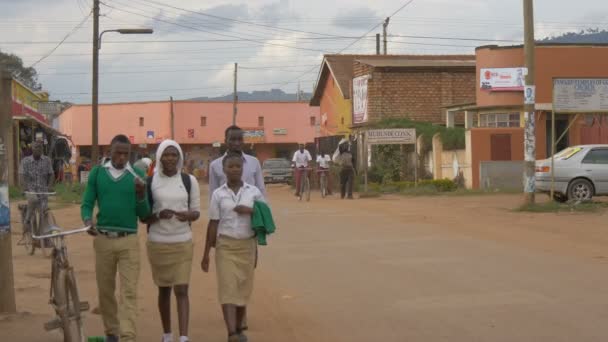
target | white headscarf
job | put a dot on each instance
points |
(159, 153)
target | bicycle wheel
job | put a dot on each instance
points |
(26, 232)
(46, 245)
(307, 189)
(323, 183)
(301, 192)
(67, 304)
(33, 231)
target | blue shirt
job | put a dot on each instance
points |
(252, 174)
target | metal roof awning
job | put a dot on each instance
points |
(44, 125)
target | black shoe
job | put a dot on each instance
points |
(111, 338)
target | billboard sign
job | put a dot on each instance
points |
(253, 135)
(360, 99)
(396, 136)
(503, 79)
(580, 95)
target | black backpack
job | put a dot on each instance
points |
(187, 184)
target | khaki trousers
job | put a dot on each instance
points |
(122, 254)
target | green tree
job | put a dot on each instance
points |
(13, 64)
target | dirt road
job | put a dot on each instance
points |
(389, 269)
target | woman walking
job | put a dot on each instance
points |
(231, 233)
(175, 201)
(344, 158)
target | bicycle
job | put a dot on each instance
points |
(304, 183)
(39, 218)
(323, 181)
(64, 293)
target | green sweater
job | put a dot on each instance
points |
(118, 205)
(262, 222)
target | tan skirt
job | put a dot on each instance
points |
(235, 262)
(171, 263)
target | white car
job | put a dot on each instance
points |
(581, 172)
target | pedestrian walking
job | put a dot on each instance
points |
(175, 202)
(230, 232)
(252, 171)
(119, 191)
(344, 158)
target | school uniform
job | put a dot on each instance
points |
(236, 244)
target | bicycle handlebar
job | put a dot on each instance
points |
(40, 193)
(69, 232)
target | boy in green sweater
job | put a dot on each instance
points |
(119, 191)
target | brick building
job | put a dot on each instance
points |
(414, 87)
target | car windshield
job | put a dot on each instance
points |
(568, 153)
(276, 164)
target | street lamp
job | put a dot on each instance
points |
(95, 92)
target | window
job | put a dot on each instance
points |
(499, 120)
(597, 156)
(203, 121)
(141, 121)
(313, 120)
(261, 121)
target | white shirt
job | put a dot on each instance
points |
(323, 161)
(301, 158)
(116, 173)
(170, 193)
(223, 202)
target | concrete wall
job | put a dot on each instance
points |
(501, 175)
(449, 164)
(335, 111)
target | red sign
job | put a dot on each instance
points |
(132, 139)
(191, 133)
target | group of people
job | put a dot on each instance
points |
(343, 157)
(168, 202)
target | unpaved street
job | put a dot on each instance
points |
(389, 269)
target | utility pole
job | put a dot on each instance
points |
(384, 27)
(530, 125)
(298, 97)
(95, 91)
(235, 97)
(377, 43)
(7, 283)
(172, 120)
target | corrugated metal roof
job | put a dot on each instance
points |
(398, 62)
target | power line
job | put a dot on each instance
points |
(262, 42)
(76, 28)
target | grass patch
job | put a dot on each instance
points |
(370, 194)
(15, 193)
(555, 207)
(67, 193)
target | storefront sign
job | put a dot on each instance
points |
(132, 139)
(398, 136)
(191, 133)
(279, 131)
(217, 144)
(253, 135)
(503, 79)
(150, 135)
(530, 95)
(360, 99)
(583, 95)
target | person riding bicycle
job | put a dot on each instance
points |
(36, 175)
(323, 166)
(300, 161)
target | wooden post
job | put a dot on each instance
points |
(7, 284)
(95, 87)
(552, 154)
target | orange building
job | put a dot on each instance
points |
(498, 133)
(272, 129)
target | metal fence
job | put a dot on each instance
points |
(503, 175)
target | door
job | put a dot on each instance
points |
(500, 147)
(595, 164)
(561, 125)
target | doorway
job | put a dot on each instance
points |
(561, 125)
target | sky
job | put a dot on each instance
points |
(277, 43)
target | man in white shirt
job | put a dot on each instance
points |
(323, 164)
(300, 161)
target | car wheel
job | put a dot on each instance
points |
(560, 198)
(580, 190)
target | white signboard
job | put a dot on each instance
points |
(51, 108)
(360, 99)
(503, 79)
(396, 136)
(571, 95)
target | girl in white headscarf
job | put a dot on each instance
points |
(170, 236)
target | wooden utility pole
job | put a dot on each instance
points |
(384, 29)
(95, 90)
(172, 120)
(7, 284)
(530, 125)
(235, 97)
(377, 43)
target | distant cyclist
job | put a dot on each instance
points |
(300, 161)
(36, 175)
(323, 164)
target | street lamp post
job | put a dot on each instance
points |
(95, 91)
